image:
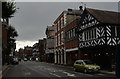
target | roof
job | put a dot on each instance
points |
(69, 12)
(105, 16)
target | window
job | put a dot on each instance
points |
(56, 28)
(59, 39)
(83, 36)
(62, 40)
(58, 25)
(71, 33)
(74, 32)
(56, 40)
(61, 22)
(89, 34)
(94, 32)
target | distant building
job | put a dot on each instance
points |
(42, 46)
(35, 51)
(50, 43)
(99, 33)
(28, 52)
(21, 52)
(63, 19)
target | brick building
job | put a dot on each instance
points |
(21, 51)
(42, 46)
(28, 50)
(64, 18)
(71, 41)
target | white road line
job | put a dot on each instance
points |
(83, 74)
(69, 74)
(55, 75)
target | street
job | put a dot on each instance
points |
(32, 70)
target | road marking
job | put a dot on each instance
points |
(83, 74)
(27, 73)
(69, 74)
(55, 75)
(60, 70)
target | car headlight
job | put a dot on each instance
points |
(89, 67)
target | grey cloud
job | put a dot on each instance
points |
(32, 18)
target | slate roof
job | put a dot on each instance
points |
(105, 16)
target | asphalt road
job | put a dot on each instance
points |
(39, 70)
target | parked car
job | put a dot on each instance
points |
(86, 66)
(15, 61)
(37, 59)
(25, 59)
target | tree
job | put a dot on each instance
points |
(8, 10)
(11, 34)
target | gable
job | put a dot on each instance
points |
(87, 20)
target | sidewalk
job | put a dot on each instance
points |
(4, 68)
(107, 72)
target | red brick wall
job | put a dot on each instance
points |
(4, 34)
(71, 25)
(72, 43)
(59, 32)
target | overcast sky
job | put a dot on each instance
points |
(32, 18)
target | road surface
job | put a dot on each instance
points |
(39, 70)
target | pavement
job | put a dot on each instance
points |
(107, 72)
(4, 69)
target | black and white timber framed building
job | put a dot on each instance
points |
(98, 35)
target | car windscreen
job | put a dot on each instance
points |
(89, 62)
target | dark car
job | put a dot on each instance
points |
(15, 61)
(25, 59)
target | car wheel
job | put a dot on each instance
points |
(85, 70)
